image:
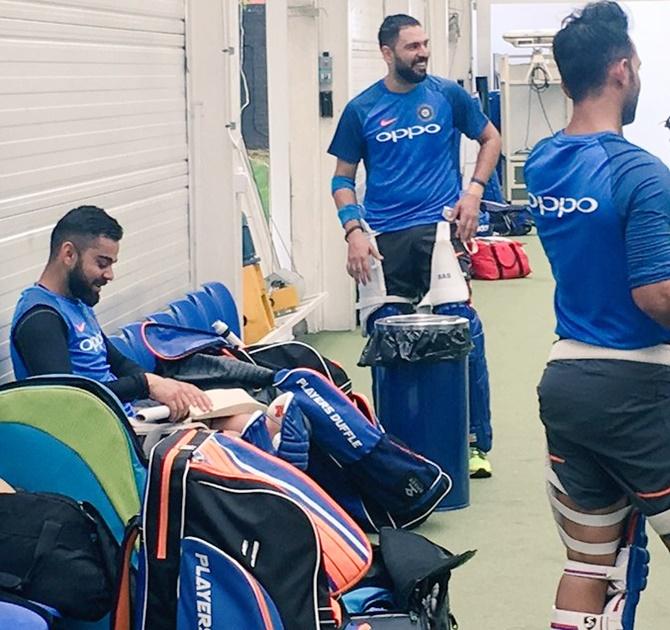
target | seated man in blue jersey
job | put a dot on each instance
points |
(55, 330)
(602, 210)
(406, 128)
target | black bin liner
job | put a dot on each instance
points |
(417, 338)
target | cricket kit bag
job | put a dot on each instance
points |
(378, 480)
(236, 538)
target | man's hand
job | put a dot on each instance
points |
(466, 213)
(177, 396)
(358, 256)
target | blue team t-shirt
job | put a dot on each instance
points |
(86, 344)
(602, 209)
(409, 143)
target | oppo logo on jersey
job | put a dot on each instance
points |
(407, 132)
(562, 205)
(92, 344)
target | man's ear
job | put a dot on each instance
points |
(68, 254)
(619, 71)
(387, 53)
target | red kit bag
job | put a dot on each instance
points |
(497, 258)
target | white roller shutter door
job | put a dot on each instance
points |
(93, 111)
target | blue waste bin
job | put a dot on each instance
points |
(420, 383)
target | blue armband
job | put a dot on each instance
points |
(340, 182)
(350, 212)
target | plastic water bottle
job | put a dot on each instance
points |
(221, 328)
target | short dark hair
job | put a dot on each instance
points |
(391, 26)
(589, 42)
(83, 225)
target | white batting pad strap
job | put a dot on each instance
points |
(661, 523)
(594, 571)
(569, 620)
(552, 478)
(590, 520)
(591, 549)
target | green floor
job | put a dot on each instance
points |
(510, 584)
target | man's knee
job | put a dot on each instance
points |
(595, 529)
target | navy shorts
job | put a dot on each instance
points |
(608, 433)
(407, 259)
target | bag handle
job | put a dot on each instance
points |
(515, 246)
(517, 264)
(499, 262)
(121, 616)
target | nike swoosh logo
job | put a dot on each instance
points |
(385, 122)
(80, 327)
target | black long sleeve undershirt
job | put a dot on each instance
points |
(40, 337)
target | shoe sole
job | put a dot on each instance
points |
(481, 474)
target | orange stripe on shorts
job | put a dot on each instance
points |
(654, 495)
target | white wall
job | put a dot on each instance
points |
(213, 83)
(460, 50)
(279, 128)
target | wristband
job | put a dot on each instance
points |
(353, 228)
(350, 212)
(475, 180)
(340, 182)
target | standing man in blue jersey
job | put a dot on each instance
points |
(406, 128)
(602, 210)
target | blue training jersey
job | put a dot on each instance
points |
(409, 143)
(86, 345)
(602, 209)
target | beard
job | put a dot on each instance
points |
(81, 288)
(408, 71)
(630, 108)
(630, 104)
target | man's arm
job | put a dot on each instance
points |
(647, 234)
(490, 146)
(654, 300)
(359, 246)
(40, 337)
(135, 383)
(467, 208)
(132, 383)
